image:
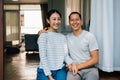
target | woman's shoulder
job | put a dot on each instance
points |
(42, 35)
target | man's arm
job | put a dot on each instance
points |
(42, 31)
(91, 62)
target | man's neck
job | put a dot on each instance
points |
(77, 32)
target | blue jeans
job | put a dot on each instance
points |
(56, 74)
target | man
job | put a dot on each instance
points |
(83, 50)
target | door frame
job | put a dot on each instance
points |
(1, 40)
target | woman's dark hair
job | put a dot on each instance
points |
(75, 13)
(50, 12)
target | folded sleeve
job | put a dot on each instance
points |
(68, 60)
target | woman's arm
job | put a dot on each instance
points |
(42, 43)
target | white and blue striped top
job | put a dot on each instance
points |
(53, 51)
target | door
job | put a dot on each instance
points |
(12, 28)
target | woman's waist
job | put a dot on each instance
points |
(53, 67)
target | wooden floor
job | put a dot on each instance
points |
(109, 76)
(22, 66)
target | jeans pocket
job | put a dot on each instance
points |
(41, 75)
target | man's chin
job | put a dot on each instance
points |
(75, 29)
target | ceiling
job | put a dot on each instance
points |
(26, 1)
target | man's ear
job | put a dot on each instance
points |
(81, 21)
(47, 21)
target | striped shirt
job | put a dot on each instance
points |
(53, 51)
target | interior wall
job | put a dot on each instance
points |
(1, 40)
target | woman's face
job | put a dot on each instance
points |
(54, 21)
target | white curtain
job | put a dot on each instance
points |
(71, 5)
(105, 25)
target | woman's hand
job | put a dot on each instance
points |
(69, 67)
(50, 77)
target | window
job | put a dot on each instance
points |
(31, 19)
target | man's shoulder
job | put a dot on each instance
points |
(88, 33)
(69, 35)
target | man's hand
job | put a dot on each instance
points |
(42, 31)
(73, 68)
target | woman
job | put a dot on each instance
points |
(53, 51)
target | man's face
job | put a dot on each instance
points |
(75, 22)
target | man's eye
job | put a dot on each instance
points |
(59, 19)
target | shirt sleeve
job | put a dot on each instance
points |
(93, 45)
(68, 60)
(42, 43)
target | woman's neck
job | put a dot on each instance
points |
(51, 30)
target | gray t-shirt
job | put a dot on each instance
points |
(81, 46)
